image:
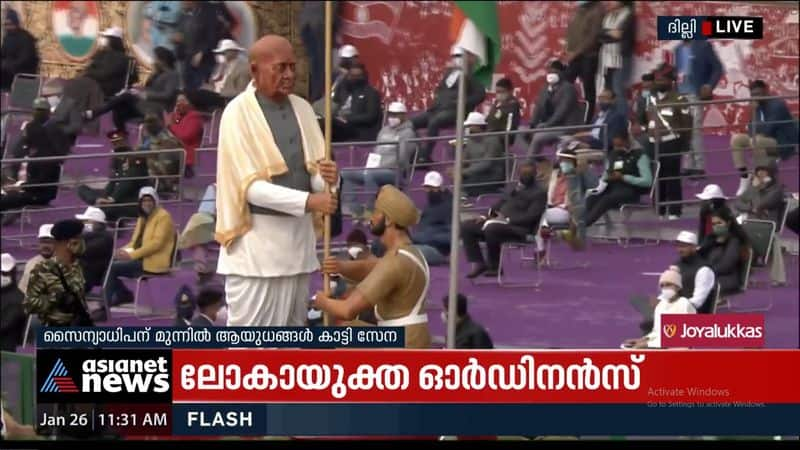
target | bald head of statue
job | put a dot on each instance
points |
(272, 66)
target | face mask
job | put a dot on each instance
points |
(552, 78)
(527, 179)
(566, 166)
(222, 317)
(220, 58)
(102, 42)
(766, 180)
(379, 228)
(88, 228)
(354, 252)
(503, 96)
(604, 106)
(720, 230)
(6, 280)
(435, 197)
(393, 122)
(667, 293)
(53, 101)
(646, 93)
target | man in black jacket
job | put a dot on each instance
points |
(359, 114)
(99, 247)
(515, 216)
(19, 53)
(557, 106)
(443, 111)
(109, 66)
(197, 37)
(469, 334)
(13, 317)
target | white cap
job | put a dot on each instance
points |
(687, 237)
(112, 32)
(711, 191)
(8, 262)
(92, 213)
(148, 190)
(456, 51)
(475, 118)
(227, 44)
(432, 179)
(397, 107)
(46, 231)
(348, 51)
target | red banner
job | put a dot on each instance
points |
(405, 47)
(439, 376)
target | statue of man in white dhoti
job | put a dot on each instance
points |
(271, 176)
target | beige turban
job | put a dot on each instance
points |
(397, 207)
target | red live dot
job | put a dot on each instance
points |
(706, 28)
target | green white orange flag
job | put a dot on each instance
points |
(476, 29)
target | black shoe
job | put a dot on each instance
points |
(476, 272)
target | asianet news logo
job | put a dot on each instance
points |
(712, 330)
(709, 27)
(100, 376)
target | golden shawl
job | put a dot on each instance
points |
(247, 152)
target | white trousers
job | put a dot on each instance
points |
(267, 302)
(556, 216)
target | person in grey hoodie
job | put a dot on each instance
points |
(382, 163)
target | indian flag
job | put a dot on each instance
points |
(476, 29)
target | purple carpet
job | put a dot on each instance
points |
(577, 308)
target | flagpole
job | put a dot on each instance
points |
(456, 219)
(326, 237)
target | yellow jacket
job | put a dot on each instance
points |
(158, 241)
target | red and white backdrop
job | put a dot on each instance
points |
(405, 46)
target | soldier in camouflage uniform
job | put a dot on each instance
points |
(157, 137)
(47, 294)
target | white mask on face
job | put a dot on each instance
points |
(220, 58)
(667, 294)
(552, 78)
(102, 41)
(87, 227)
(393, 122)
(354, 252)
(222, 317)
(766, 180)
(6, 280)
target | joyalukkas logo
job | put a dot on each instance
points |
(712, 330)
(139, 376)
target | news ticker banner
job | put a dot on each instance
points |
(187, 392)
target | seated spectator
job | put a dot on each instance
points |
(505, 105)
(609, 121)
(164, 167)
(213, 311)
(556, 106)
(119, 197)
(724, 249)
(13, 319)
(109, 66)
(19, 52)
(149, 251)
(99, 247)
(30, 132)
(431, 236)
(383, 163)
(230, 77)
(697, 277)
(442, 113)
(199, 29)
(199, 233)
(484, 169)
(775, 133)
(627, 177)
(514, 217)
(565, 199)
(469, 334)
(713, 200)
(46, 246)
(763, 200)
(670, 301)
(55, 291)
(158, 95)
(358, 116)
(348, 55)
(187, 124)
